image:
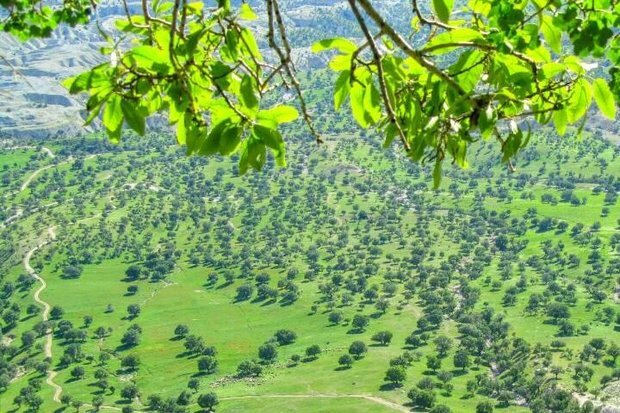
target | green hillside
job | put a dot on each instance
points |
(499, 287)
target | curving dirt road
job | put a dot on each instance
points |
(34, 175)
(49, 152)
(51, 374)
(374, 399)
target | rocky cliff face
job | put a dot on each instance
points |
(32, 101)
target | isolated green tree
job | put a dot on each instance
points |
(357, 349)
(208, 401)
(396, 375)
(345, 361)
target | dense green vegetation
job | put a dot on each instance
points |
(135, 278)
(173, 281)
(434, 76)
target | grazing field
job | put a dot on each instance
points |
(170, 278)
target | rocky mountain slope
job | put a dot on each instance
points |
(34, 104)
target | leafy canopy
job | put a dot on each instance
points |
(462, 72)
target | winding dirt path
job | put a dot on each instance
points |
(373, 399)
(38, 171)
(51, 374)
(49, 152)
(34, 175)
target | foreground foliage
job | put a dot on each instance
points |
(460, 73)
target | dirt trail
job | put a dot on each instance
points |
(374, 399)
(46, 310)
(38, 171)
(49, 152)
(34, 175)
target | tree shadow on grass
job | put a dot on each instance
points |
(389, 386)
(124, 347)
(185, 354)
(458, 372)
(224, 285)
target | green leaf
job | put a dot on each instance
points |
(256, 153)
(181, 133)
(549, 70)
(249, 41)
(551, 33)
(339, 43)
(196, 6)
(437, 173)
(372, 103)
(248, 94)
(246, 12)
(342, 89)
(453, 36)
(443, 9)
(469, 69)
(230, 139)
(231, 50)
(340, 62)
(278, 114)
(133, 117)
(604, 98)
(482, 7)
(195, 134)
(113, 118)
(243, 158)
(152, 58)
(273, 139)
(580, 100)
(224, 138)
(560, 120)
(574, 64)
(513, 142)
(390, 134)
(93, 79)
(211, 145)
(357, 105)
(487, 121)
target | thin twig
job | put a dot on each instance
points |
(285, 60)
(381, 75)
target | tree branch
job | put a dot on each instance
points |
(380, 74)
(407, 48)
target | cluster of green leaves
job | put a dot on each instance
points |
(479, 76)
(464, 72)
(202, 68)
(33, 18)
